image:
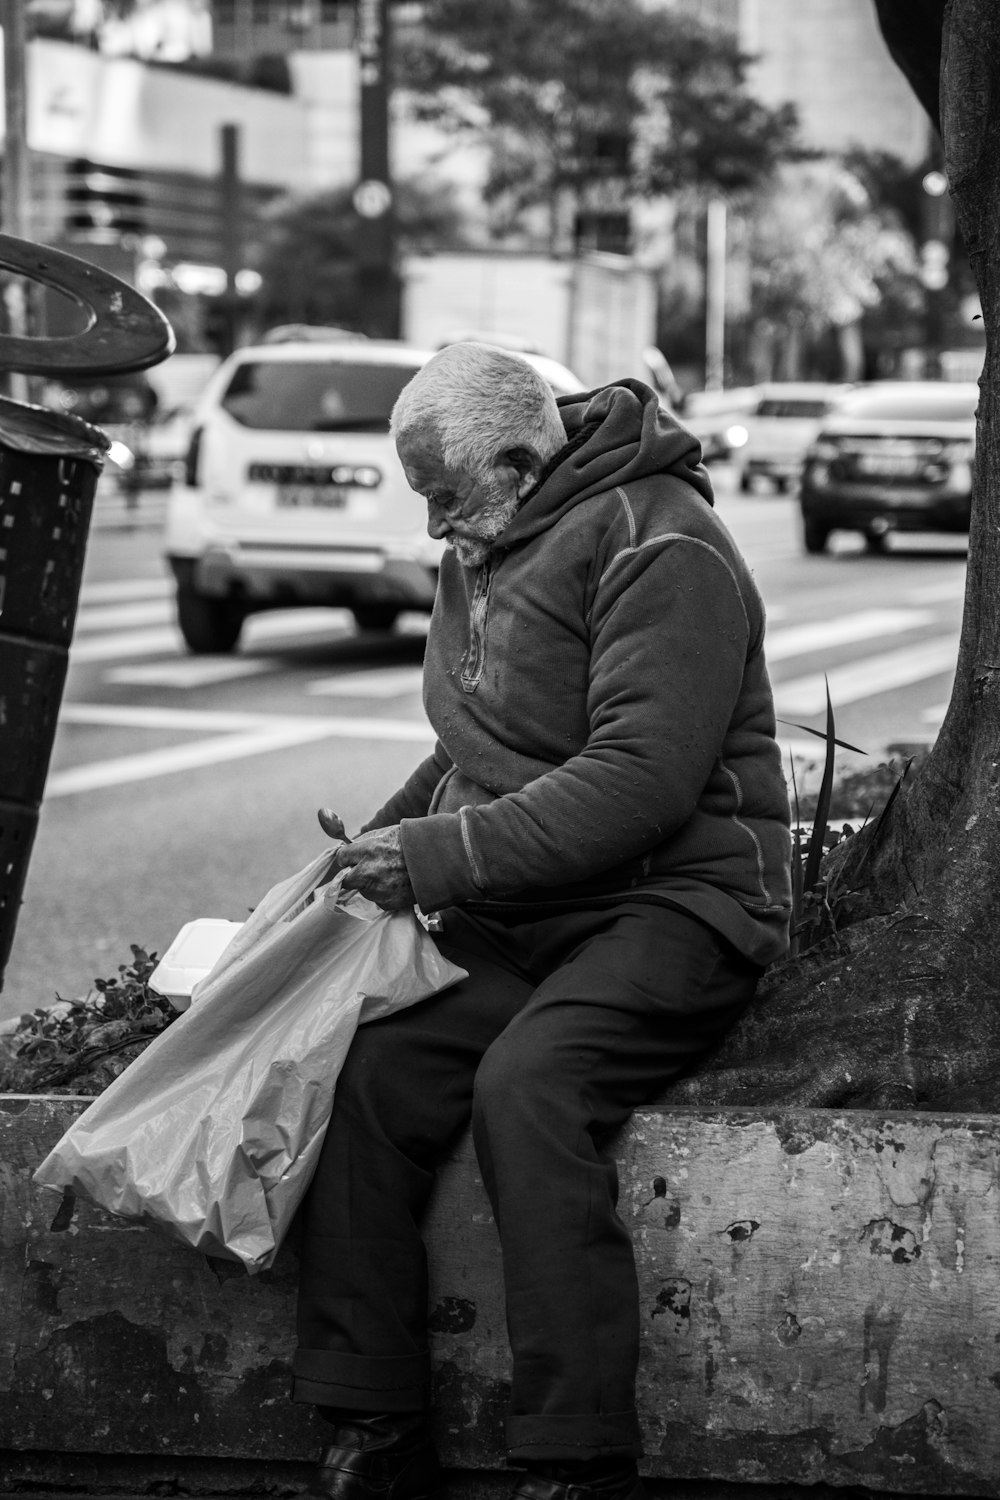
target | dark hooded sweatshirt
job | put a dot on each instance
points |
(598, 689)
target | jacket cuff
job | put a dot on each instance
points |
(437, 861)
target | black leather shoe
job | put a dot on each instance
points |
(584, 1479)
(377, 1456)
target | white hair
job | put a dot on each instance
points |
(480, 401)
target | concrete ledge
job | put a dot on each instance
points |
(820, 1300)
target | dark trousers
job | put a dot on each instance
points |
(565, 1025)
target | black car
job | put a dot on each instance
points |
(893, 456)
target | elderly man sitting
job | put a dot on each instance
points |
(603, 828)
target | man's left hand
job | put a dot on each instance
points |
(376, 868)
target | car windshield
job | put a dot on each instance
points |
(314, 395)
(911, 405)
(785, 406)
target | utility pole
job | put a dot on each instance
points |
(15, 166)
(231, 207)
(715, 296)
(373, 196)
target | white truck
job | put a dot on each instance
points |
(595, 313)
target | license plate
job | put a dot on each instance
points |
(302, 496)
(887, 465)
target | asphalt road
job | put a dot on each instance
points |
(184, 787)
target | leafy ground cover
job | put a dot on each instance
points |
(80, 1046)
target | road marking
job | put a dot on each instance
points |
(942, 592)
(262, 631)
(123, 616)
(190, 671)
(867, 676)
(389, 683)
(151, 642)
(249, 734)
(125, 588)
(155, 716)
(865, 625)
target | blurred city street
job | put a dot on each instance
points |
(184, 786)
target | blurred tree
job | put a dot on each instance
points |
(577, 94)
(821, 254)
(899, 1008)
(307, 254)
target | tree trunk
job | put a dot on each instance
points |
(901, 1008)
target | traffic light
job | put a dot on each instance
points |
(220, 315)
(104, 201)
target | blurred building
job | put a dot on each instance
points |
(826, 57)
(253, 28)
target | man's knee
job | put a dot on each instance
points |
(375, 1068)
(515, 1073)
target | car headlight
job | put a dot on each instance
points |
(122, 456)
(823, 450)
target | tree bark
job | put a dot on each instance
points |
(901, 1008)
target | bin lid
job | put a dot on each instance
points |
(36, 429)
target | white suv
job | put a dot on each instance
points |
(293, 494)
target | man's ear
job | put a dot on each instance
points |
(526, 467)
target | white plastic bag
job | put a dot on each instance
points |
(214, 1131)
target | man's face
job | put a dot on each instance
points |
(467, 510)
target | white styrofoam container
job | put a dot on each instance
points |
(191, 955)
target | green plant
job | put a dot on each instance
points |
(818, 905)
(93, 1039)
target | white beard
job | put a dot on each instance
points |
(473, 552)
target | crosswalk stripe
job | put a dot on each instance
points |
(943, 592)
(388, 683)
(866, 676)
(112, 590)
(134, 643)
(153, 716)
(122, 616)
(191, 671)
(269, 733)
(815, 635)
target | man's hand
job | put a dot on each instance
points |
(375, 866)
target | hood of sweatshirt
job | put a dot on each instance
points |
(615, 435)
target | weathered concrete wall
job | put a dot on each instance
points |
(820, 1304)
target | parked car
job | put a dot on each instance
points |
(894, 456)
(718, 420)
(780, 428)
(178, 383)
(293, 494)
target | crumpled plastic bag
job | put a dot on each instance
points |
(214, 1131)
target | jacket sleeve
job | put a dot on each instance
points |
(416, 794)
(669, 643)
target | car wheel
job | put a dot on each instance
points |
(782, 485)
(375, 616)
(209, 626)
(875, 542)
(746, 483)
(815, 535)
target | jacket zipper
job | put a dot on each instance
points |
(475, 656)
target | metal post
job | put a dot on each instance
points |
(231, 207)
(715, 296)
(16, 203)
(373, 197)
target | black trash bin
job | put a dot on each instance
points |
(50, 463)
(49, 468)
